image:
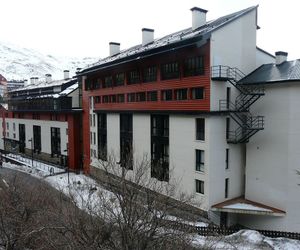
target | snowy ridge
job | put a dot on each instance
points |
(18, 63)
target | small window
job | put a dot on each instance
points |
(150, 74)
(227, 159)
(14, 127)
(141, 97)
(105, 99)
(200, 129)
(94, 138)
(181, 94)
(199, 187)
(152, 96)
(131, 97)
(197, 93)
(200, 160)
(133, 76)
(166, 95)
(97, 99)
(14, 135)
(120, 98)
(113, 98)
(94, 120)
(91, 137)
(67, 132)
(227, 128)
(226, 187)
(170, 71)
(194, 66)
(7, 125)
(119, 79)
(91, 120)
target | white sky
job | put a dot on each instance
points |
(85, 27)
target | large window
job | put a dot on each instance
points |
(150, 74)
(126, 158)
(37, 139)
(102, 137)
(199, 186)
(200, 160)
(55, 141)
(141, 97)
(170, 71)
(160, 147)
(194, 66)
(133, 76)
(200, 129)
(108, 81)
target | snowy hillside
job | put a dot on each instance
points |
(22, 63)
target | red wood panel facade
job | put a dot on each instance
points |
(159, 85)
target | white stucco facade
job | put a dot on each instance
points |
(273, 157)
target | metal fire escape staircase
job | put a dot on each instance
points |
(248, 125)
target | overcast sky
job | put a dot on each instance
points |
(85, 27)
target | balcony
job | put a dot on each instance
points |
(41, 104)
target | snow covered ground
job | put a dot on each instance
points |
(86, 192)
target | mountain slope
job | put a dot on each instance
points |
(21, 63)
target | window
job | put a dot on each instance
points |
(126, 156)
(14, 127)
(37, 139)
(55, 141)
(91, 137)
(227, 159)
(94, 120)
(226, 187)
(194, 66)
(120, 98)
(97, 99)
(94, 138)
(170, 71)
(166, 95)
(150, 74)
(227, 128)
(67, 132)
(102, 137)
(105, 99)
(91, 120)
(131, 97)
(119, 79)
(197, 93)
(141, 97)
(181, 94)
(160, 147)
(108, 81)
(200, 129)
(22, 138)
(200, 160)
(199, 187)
(133, 77)
(7, 125)
(152, 96)
(113, 98)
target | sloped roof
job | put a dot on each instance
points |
(272, 73)
(173, 40)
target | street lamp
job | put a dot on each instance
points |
(30, 140)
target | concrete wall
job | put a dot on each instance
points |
(273, 156)
(263, 58)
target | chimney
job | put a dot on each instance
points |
(25, 82)
(48, 78)
(66, 74)
(32, 80)
(36, 80)
(147, 36)
(280, 57)
(198, 17)
(114, 48)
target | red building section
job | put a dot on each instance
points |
(136, 96)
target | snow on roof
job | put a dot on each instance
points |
(69, 89)
(44, 84)
(171, 39)
(245, 206)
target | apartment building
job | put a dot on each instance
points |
(178, 100)
(43, 119)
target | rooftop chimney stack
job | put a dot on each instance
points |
(25, 82)
(48, 78)
(114, 48)
(32, 80)
(198, 17)
(66, 74)
(281, 57)
(147, 36)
